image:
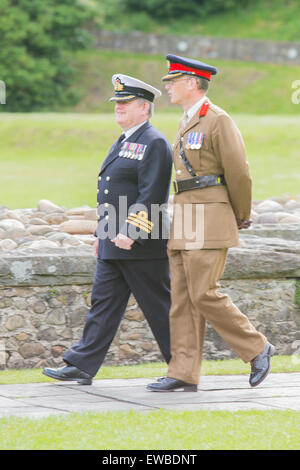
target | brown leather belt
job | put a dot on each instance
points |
(198, 182)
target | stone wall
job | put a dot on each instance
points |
(45, 286)
(198, 46)
(40, 323)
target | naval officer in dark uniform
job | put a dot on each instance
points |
(132, 233)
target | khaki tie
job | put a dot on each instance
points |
(184, 121)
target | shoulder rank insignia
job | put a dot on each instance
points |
(204, 108)
(194, 140)
(132, 151)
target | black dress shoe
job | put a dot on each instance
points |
(69, 373)
(167, 384)
(260, 365)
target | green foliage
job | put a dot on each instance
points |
(265, 19)
(35, 38)
(170, 9)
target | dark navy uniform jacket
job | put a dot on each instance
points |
(133, 190)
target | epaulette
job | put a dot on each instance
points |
(204, 108)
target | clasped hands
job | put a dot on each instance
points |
(243, 223)
(120, 241)
(123, 242)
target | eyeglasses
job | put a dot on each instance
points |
(177, 80)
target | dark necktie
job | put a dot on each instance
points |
(121, 138)
(118, 142)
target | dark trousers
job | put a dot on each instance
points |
(114, 280)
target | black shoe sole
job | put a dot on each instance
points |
(84, 381)
(69, 379)
(183, 388)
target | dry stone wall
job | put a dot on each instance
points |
(46, 273)
(277, 52)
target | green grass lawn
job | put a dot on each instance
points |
(239, 86)
(161, 429)
(57, 156)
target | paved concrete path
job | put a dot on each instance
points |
(232, 393)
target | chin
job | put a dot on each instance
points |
(119, 120)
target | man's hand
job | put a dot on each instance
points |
(121, 241)
(243, 223)
(96, 246)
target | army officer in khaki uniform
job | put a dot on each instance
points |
(212, 202)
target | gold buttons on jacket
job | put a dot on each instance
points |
(106, 191)
(108, 178)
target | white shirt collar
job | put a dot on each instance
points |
(131, 131)
(190, 113)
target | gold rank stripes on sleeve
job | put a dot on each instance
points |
(141, 221)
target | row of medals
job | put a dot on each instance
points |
(194, 140)
(131, 150)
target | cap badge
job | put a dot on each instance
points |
(119, 86)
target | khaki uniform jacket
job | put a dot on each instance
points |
(206, 218)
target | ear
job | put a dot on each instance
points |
(146, 107)
(192, 83)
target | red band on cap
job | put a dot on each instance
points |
(183, 68)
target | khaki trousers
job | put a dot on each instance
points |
(195, 299)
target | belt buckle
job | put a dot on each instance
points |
(175, 185)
